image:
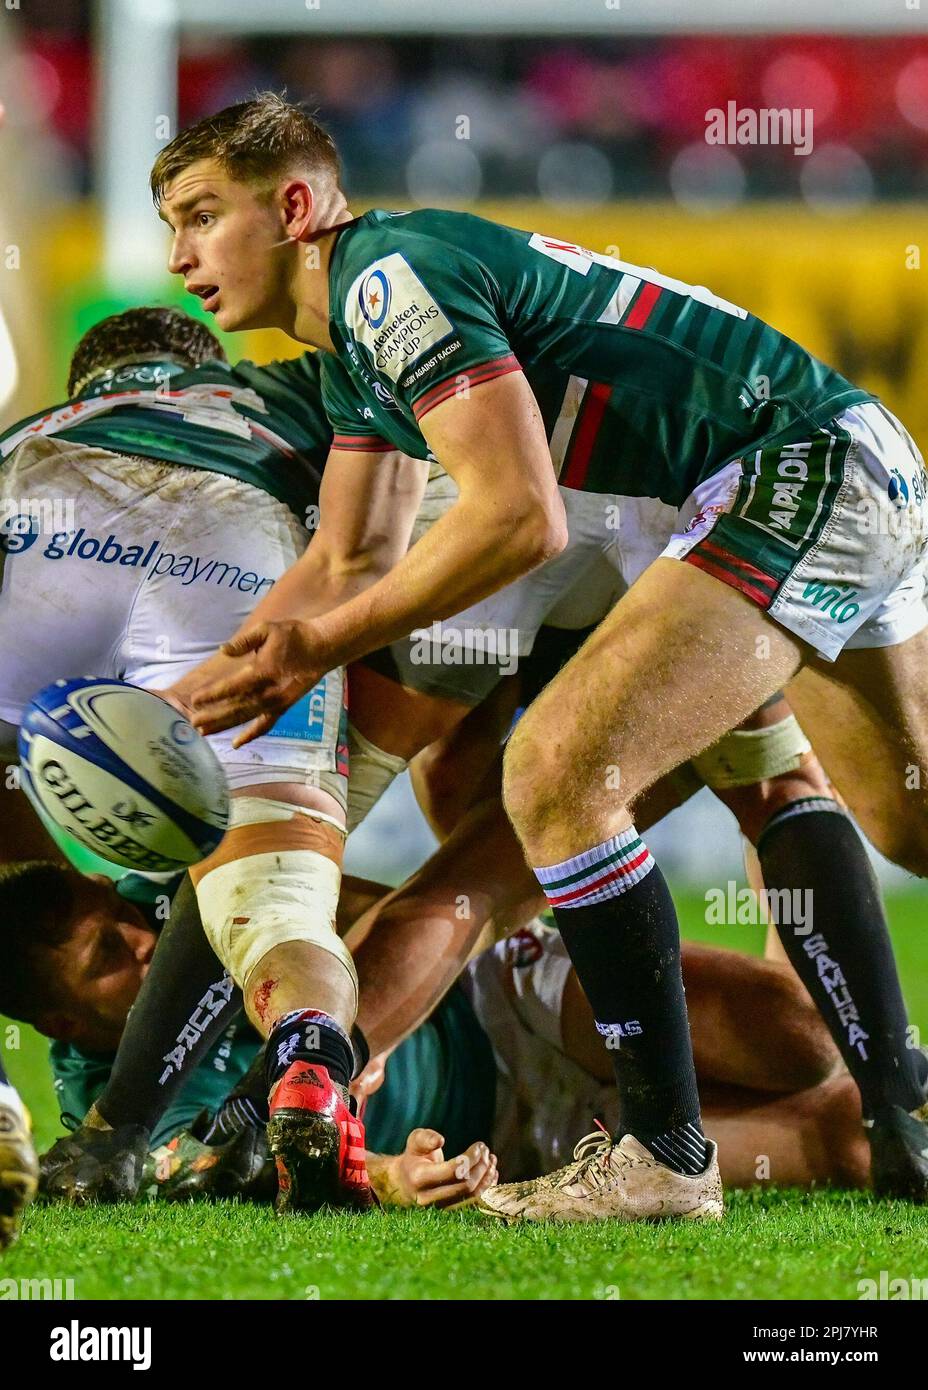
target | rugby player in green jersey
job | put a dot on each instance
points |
(517, 359)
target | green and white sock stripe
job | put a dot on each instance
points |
(605, 871)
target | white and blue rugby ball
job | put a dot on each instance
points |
(120, 770)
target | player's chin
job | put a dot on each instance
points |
(232, 318)
(225, 317)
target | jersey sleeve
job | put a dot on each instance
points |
(297, 374)
(79, 1078)
(352, 428)
(430, 325)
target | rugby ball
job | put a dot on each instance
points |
(122, 772)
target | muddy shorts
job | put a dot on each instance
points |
(827, 531)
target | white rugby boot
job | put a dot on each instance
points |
(19, 1168)
(620, 1181)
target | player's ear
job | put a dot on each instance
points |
(296, 205)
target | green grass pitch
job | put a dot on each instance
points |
(773, 1244)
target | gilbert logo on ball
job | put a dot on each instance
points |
(120, 770)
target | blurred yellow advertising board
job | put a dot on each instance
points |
(853, 289)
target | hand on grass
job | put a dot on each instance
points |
(421, 1176)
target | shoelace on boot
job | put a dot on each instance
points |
(588, 1154)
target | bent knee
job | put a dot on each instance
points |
(528, 778)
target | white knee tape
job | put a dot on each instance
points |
(746, 756)
(252, 904)
(371, 771)
(264, 810)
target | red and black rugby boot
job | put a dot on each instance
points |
(317, 1143)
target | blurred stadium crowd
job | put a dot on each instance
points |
(566, 121)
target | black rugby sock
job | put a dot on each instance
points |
(618, 922)
(837, 939)
(185, 1004)
(307, 1035)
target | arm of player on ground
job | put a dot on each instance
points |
(421, 1176)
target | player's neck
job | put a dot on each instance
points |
(310, 285)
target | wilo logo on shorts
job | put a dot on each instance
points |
(834, 600)
(470, 646)
(761, 126)
(887, 1288)
(76, 1343)
(37, 1290)
(744, 907)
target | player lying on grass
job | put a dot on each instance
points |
(799, 560)
(76, 953)
(766, 775)
(481, 864)
(510, 1056)
(581, 582)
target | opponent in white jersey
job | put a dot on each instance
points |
(143, 520)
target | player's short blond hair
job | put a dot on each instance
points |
(255, 142)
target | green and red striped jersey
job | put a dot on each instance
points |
(647, 385)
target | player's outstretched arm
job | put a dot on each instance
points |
(509, 517)
(413, 944)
